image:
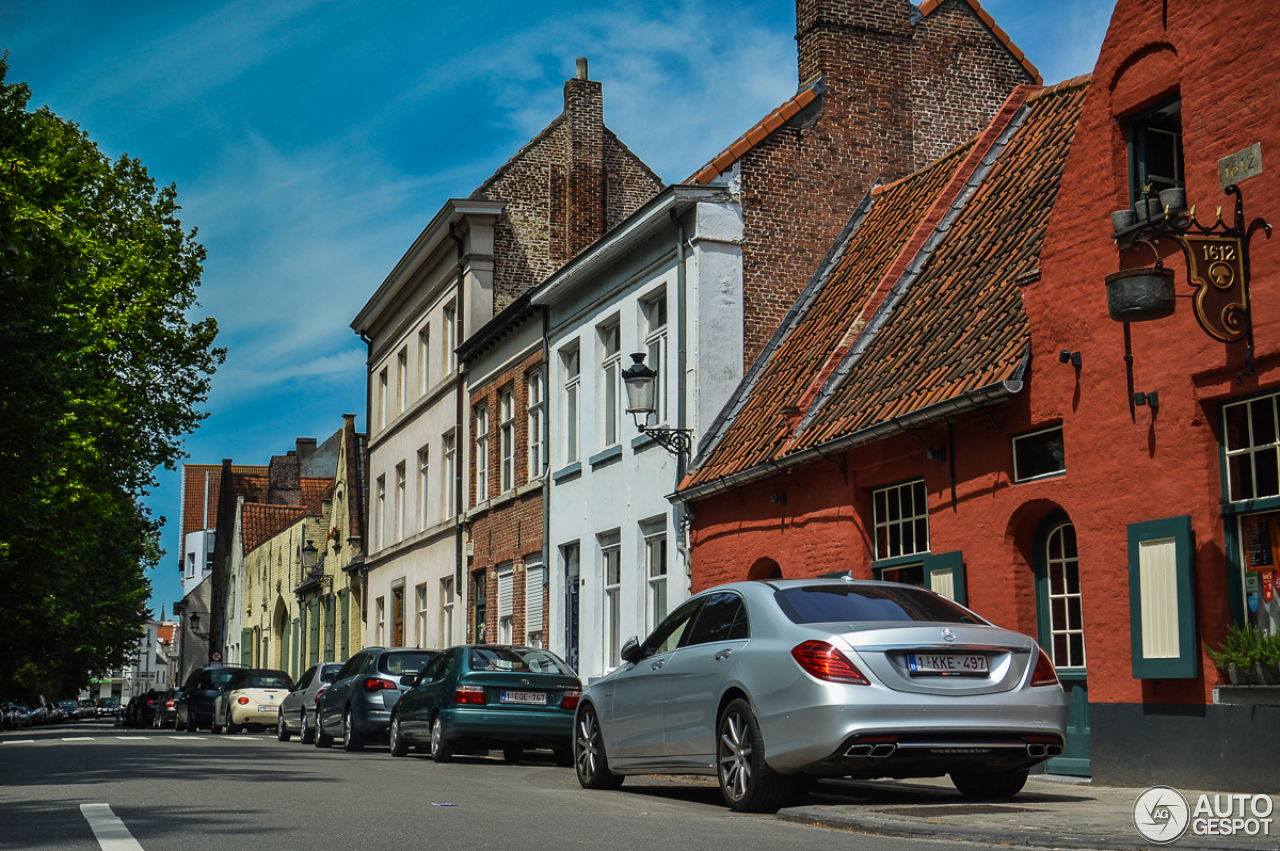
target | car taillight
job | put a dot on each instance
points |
(376, 684)
(827, 663)
(317, 700)
(1044, 674)
(571, 698)
(243, 701)
(169, 702)
(469, 694)
(151, 703)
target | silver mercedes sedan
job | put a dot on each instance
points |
(770, 685)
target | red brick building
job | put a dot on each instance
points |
(948, 404)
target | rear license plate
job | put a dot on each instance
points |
(941, 664)
(531, 698)
(268, 709)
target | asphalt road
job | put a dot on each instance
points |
(185, 791)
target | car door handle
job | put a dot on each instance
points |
(658, 664)
(723, 654)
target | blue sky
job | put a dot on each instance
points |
(311, 141)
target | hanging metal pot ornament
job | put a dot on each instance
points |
(1143, 294)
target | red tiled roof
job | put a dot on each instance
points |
(927, 8)
(913, 308)
(754, 136)
(194, 501)
(259, 522)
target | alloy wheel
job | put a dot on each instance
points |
(590, 761)
(735, 756)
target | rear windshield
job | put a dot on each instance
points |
(216, 678)
(404, 662)
(861, 603)
(264, 679)
(518, 660)
(108, 701)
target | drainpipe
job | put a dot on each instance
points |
(459, 312)
(546, 474)
(678, 510)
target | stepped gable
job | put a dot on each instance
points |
(917, 302)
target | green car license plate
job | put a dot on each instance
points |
(529, 698)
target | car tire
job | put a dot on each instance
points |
(512, 755)
(322, 741)
(441, 749)
(232, 728)
(306, 734)
(989, 787)
(590, 761)
(747, 783)
(191, 723)
(399, 747)
(564, 756)
(282, 729)
(352, 739)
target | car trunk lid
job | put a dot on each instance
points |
(942, 659)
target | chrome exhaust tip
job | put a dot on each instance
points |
(859, 751)
(1054, 750)
(1035, 750)
(882, 751)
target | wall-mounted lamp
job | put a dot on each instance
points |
(1068, 356)
(642, 390)
(780, 498)
(1151, 400)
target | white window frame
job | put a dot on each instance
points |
(1071, 601)
(1017, 439)
(400, 500)
(506, 440)
(506, 602)
(446, 611)
(571, 365)
(610, 554)
(534, 609)
(380, 620)
(1251, 448)
(611, 402)
(424, 485)
(657, 570)
(482, 452)
(450, 443)
(450, 330)
(424, 360)
(380, 507)
(420, 595)
(402, 380)
(905, 508)
(654, 314)
(382, 398)
(536, 415)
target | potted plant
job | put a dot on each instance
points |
(1267, 667)
(1240, 655)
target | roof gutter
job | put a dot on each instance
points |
(981, 397)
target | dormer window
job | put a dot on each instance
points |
(1155, 149)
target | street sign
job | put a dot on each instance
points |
(217, 656)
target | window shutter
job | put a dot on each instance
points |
(506, 591)
(344, 595)
(246, 648)
(944, 574)
(1162, 614)
(329, 630)
(533, 597)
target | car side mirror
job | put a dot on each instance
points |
(409, 680)
(631, 650)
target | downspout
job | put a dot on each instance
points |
(459, 312)
(678, 509)
(546, 474)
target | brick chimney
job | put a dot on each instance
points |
(284, 480)
(579, 213)
(835, 37)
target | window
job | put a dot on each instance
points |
(397, 616)
(450, 474)
(450, 330)
(723, 618)
(655, 564)
(572, 365)
(424, 469)
(379, 507)
(1065, 611)
(907, 574)
(570, 556)
(482, 453)
(400, 501)
(424, 360)
(1155, 149)
(654, 333)
(380, 620)
(507, 439)
(534, 580)
(610, 370)
(611, 571)
(1038, 455)
(191, 565)
(480, 605)
(900, 517)
(446, 610)
(537, 424)
(1251, 434)
(506, 602)
(382, 399)
(402, 380)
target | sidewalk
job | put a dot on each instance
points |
(1051, 812)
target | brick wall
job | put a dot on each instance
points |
(897, 96)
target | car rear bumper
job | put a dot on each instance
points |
(515, 726)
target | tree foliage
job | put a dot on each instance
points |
(101, 373)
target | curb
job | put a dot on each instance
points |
(1029, 839)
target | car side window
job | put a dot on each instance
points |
(716, 621)
(366, 665)
(437, 667)
(352, 666)
(669, 633)
(306, 678)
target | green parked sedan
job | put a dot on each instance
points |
(478, 697)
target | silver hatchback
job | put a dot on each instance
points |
(768, 685)
(298, 709)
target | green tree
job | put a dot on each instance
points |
(101, 376)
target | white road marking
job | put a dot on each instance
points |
(77, 738)
(110, 832)
(21, 742)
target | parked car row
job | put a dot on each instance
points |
(33, 710)
(766, 685)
